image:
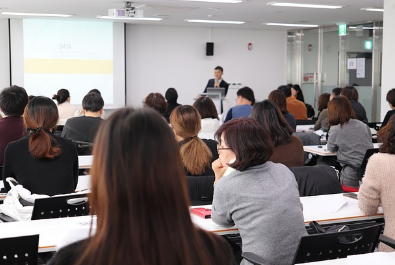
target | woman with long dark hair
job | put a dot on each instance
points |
(42, 162)
(278, 97)
(139, 196)
(322, 117)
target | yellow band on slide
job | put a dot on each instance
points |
(67, 66)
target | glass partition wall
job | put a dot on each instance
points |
(320, 60)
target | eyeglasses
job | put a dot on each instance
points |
(219, 148)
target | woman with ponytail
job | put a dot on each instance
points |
(196, 154)
(65, 109)
(42, 162)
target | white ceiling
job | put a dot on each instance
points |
(174, 12)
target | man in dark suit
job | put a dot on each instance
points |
(217, 81)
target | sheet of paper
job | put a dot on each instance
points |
(360, 67)
(352, 63)
(336, 204)
(381, 258)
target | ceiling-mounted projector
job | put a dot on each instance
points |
(127, 11)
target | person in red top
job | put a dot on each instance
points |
(13, 101)
(294, 106)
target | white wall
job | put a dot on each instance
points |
(388, 80)
(4, 55)
(160, 57)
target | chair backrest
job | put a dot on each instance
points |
(200, 189)
(61, 206)
(337, 245)
(316, 180)
(83, 148)
(304, 122)
(19, 250)
(365, 159)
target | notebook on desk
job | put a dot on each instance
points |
(202, 212)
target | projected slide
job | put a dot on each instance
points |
(75, 55)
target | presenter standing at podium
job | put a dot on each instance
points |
(217, 81)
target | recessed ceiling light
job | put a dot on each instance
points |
(214, 21)
(35, 14)
(291, 25)
(131, 18)
(373, 9)
(303, 5)
(217, 1)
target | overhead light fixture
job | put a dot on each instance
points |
(303, 5)
(375, 9)
(132, 18)
(291, 25)
(217, 1)
(35, 14)
(214, 21)
(354, 27)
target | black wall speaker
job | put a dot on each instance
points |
(210, 48)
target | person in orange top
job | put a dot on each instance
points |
(294, 106)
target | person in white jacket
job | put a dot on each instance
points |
(210, 121)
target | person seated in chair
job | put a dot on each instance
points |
(84, 128)
(296, 107)
(244, 102)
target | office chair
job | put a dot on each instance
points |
(200, 189)
(330, 245)
(83, 148)
(19, 250)
(387, 240)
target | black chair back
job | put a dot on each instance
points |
(305, 122)
(200, 189)
(61, 206)
(83, 148)
(335, 245)
(19, 250)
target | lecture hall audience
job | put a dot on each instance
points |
(278, 97)
(244, 102)
(288, 149)
(391, 101)
(296, 107)
(196, 154)
(254, 193)
(171, 96)
(351, 93)
(65, 109)
(349, 138)
(209, 115)
(322, 117)
(42, 162)
(378, 187)
(297, 93)
(142, 218)
(80, 112)
(157, 102)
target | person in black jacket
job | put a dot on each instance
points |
(391, 101)
(351, 93)
(217, 81)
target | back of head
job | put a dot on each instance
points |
(391, 97)
(323, 101)
(40, 117)
(268, 115)
(278, 97)
(336, 91)
(247, 93)
(92, 102)
(171, 95)
(386, 136)
(195, 154)
(61, 96)
(138, 178)
(254, 148)
(157, 102)
(350, 92)
(286, 89)
(94, 91)
(13, 100)
(340, 111)
(299, 95)
(206, 108)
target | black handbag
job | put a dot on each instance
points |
(334, 229)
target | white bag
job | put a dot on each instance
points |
(12, 206)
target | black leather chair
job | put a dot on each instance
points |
(200, 189)
(316, 180)
(19, 250)
(83, 148)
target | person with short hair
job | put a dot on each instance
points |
(296, 107)
(13, 101)
(43, 163)
(217, 81)
(391, 101)
(322, 118)
(349, 138)
(84, 128)
(157, 102)
(288, 149)
(335, 92)
(351, 93)
(244, 101)
(140, 197)
(65, 109)
(197, 154)
(259, 197)
(80, 112)
(209, 117)
(171, 96)
(378, 189)
(278, 97)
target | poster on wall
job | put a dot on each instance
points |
(352, 63)
(360, 67)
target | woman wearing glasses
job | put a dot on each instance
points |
(260, 197)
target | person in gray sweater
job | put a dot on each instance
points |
(258, 196)
(349, 138)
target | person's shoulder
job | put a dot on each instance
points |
(69, 254)
(296, 140)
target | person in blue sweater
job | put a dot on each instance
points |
(244, 102)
